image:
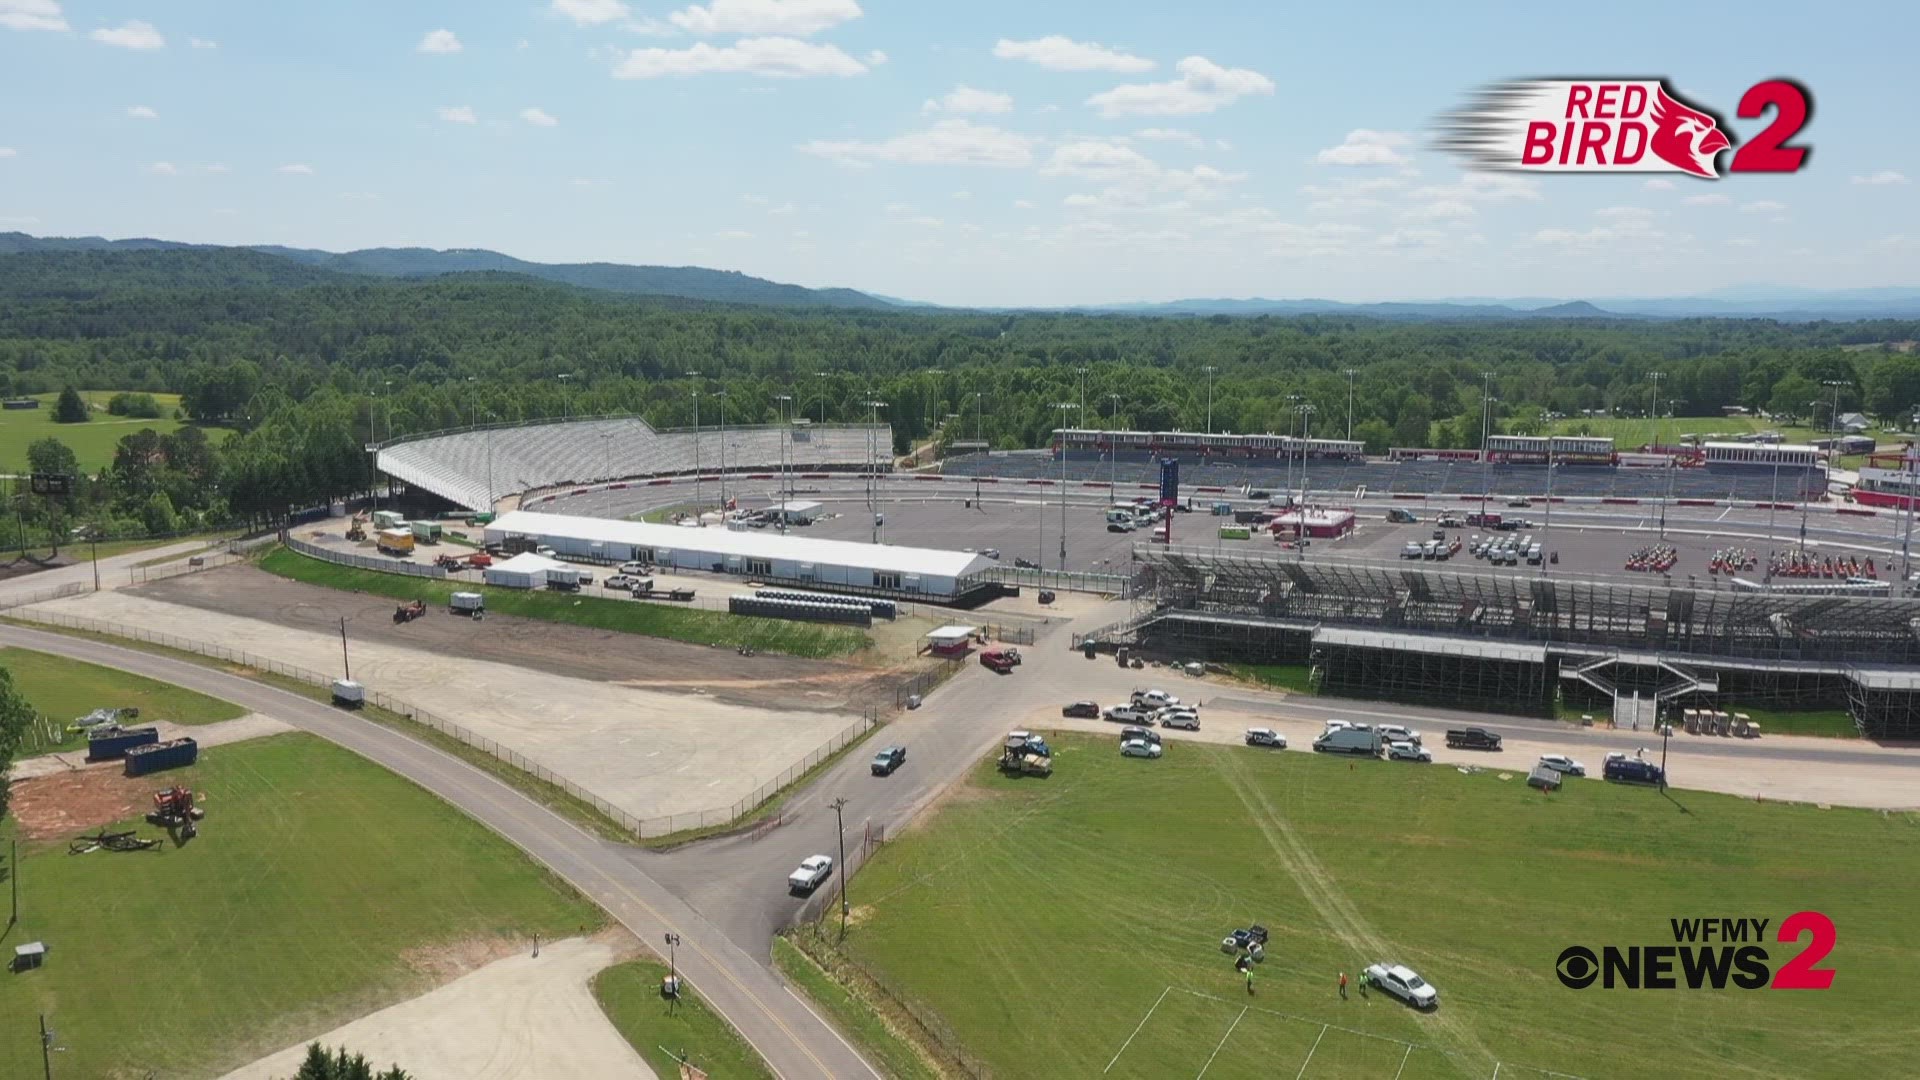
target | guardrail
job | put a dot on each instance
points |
(348, 558)
(644, 828)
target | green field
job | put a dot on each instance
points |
(62, 690)
(696, 625)
(1041, 920)
(92, 442)
(1295, 678)
(314, 879)
(629, 994)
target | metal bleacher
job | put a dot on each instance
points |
(475, 466)
(1409, 477)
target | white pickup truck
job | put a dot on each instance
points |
(813, 870)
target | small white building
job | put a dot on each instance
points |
(798, 512)
(525, 571)
(760, 554)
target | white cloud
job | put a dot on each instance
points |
(801, 17)
(1624, 230)
(783, 210)
(1202, 87)
(963, 196)
(947, 142)
(1484, 186)
(439, 41)
(801, 234)
(1440, 210)
(19, 219)
(1658, 184)
(32, 15)
(8, 151)
(163, 168)
(538, 117)
(1762, 206)
(296, 169)
(142, 112)
(1366, 147)
(876, 58)
(1711, 199)
(1022, 204)
(358, 196)
(1057, 53)
(589, 182)
(202, 43)
(734, 234)
(965, 99)
(590, 12)
(1097, 159)
(132, 34)
(1168, 135)
(1883, 178)
(458, 114)
(774, 57)
(218, 168)
(523, 44)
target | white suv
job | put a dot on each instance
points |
(1406, 751)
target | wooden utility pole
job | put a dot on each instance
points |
(840, 826)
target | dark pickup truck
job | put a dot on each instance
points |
(1472, 738)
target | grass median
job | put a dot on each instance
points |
(321, 888)
(629, 994)
(1041, 920)
(697, 626)
(62, 690)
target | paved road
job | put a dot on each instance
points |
(738, 882)
(794, 1040)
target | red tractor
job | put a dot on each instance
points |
(174, 809)
(407, 612)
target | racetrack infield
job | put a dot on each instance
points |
(759, 681)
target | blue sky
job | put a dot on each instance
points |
(985, 153)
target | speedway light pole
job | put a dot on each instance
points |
(1351, 372)
(1113, 451)
(1833, 414)
(839, 825)
(1063, 406)
(1209, 369)
(786, 482)
(696, 444)
(1486, 429)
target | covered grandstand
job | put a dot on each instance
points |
(474, 467)
(1443, 637)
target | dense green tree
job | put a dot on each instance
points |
(70, 409)
(50, 455)
(15, 715)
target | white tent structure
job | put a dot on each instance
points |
(524, 571)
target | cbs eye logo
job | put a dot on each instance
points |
(1577, 967)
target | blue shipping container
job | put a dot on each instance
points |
(166, 755)
(117, 741)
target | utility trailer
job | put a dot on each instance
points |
(1025, 755)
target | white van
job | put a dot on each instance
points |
(1349, 741)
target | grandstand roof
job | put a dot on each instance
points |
(927, 562)
(1478, 648)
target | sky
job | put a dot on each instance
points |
(985, 153)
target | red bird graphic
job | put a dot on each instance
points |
(1686, 139)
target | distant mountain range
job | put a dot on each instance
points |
(274, 265)
(690, 282)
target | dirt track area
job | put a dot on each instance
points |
(516, 1017)
(69, 803)
(644, 663)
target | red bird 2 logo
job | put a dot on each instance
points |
(1621, 125)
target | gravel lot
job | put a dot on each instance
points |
(650, 752)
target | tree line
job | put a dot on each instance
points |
(309, 374)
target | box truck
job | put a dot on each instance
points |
(1349, 740)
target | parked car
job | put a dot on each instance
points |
(1180, 718)
(991, 553)
(1406, 751)
(1119, 526)
(1520, 502)
(1140, 748)
(1563, 764)
(1086, 710)
(1130, 734)
(1125, 714)
(888, 760)
(619, 581)
(1336, 725)
(1413, 550)
(814, 869)
(545, 550)
(1401, 982)
(1396, 733)
(637, 569)
(1260, 736)
(1154, 699)
(1626, 770)
(1472, 738)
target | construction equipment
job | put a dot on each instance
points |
(409, 611)
(1026, 756)
(357, 529)
(449, 562)
(175, 808)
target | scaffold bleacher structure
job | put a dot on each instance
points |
(1445, 637)
(474, 466)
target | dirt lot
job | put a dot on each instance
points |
(578, 652)
(69, 803)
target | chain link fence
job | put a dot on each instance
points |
(644, 828)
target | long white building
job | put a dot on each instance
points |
(932, 572)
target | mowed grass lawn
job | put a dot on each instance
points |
(1042, 919)
(629, 994)
(316, 876)
(697, 625)
(64, 690)
(92, 442)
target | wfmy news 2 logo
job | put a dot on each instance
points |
(1624, 125)
(1708, 954)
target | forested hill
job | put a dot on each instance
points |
(87, 265)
